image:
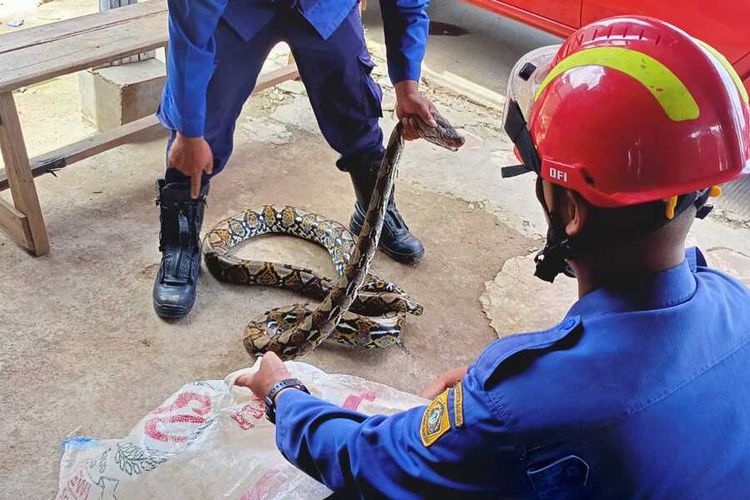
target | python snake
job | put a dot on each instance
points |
(359, 308)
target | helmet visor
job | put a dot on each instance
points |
(526, 77)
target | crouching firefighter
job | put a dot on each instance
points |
(641, 390)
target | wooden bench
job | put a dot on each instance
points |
(41, 53)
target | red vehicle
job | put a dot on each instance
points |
(721, 23)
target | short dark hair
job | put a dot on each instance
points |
(607, 227)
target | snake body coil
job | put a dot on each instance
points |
(359, 308)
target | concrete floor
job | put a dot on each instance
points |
(83, 352)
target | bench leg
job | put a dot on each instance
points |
(25, 223)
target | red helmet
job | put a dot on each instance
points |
(630, 110)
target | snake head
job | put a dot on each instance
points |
(444, 135)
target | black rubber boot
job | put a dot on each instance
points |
(395, 241)
(179, 242)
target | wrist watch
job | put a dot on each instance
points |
(270, 401)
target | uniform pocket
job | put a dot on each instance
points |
(373, 94)
(563, 479)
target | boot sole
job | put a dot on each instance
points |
(355, 228)
(401, 258)
(172, 312)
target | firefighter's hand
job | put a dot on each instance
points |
(272, 371)
(410, 103)
(447, 379)
(192, 156)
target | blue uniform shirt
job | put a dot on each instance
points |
(641, 391)
(192, 24)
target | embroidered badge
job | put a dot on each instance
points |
(458, 405)
(435, 421)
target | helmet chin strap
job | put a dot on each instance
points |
(559, 247)
(552, 259)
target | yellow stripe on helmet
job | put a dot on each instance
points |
(730, 69)
(673, 96)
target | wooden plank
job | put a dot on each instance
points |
(19, 174)
(275, 77)
(60, 30)
(15, 224)
(66, 155)
(98, 143)
(106, 5)
(28, 66)
(77, 151)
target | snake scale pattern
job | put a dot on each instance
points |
(357, 309)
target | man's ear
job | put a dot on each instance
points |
(576, 213)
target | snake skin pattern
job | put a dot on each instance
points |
(359, 309)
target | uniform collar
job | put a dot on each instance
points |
(656, 291)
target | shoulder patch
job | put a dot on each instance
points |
(435, 421)
(458, 405)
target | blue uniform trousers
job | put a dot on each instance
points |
(336, 73)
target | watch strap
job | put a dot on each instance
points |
(289, 383)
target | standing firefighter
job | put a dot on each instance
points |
(641, 391)
(216, 50)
